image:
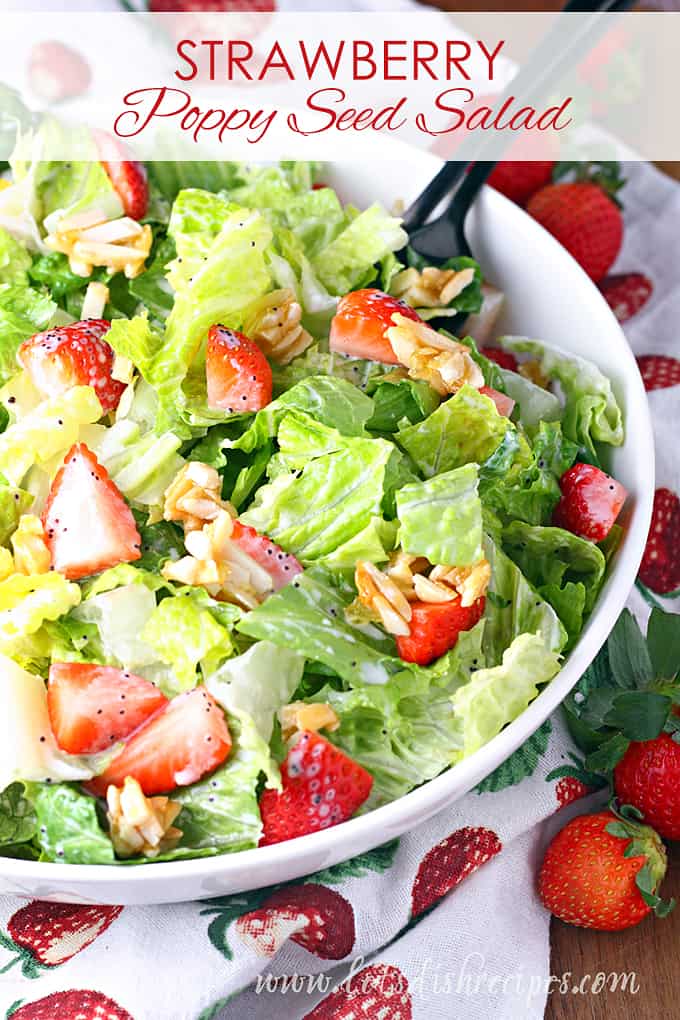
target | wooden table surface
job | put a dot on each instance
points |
(649, 953)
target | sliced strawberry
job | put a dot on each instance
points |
(238, 374)
(281, 566)
(92, 707)
(590, 502)
(503, 358)
(321, 787)
(74, 355)
(435, 627)
(504, 404)
(127, 176)
(359, 324)
(626, 293)
(660, 567)
(177, 746)
(88, 525)
(659, 371)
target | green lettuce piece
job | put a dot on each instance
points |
(47, 431)
(374, 543)
(171, 177)
(348, 261)
(535, 404)
(14, 261)
(335, 496)
(222, 810)
(591, 410)
(136, 340)
(13, 503)
(18, 822)
(161, 542)
(464, 429)
(513, 607)
(258, 683)
(68, 828)
(230, 276)
(565, 569)
(441, 518)
(308, 616)
(520, 481)
(120, 615)
(26, 603)
(151, 288)
(318, 362)
(397, 401)
(495, 696)
(405, 731)
(195, 221)
(142, 466)
(250, 476)
(184, 634)
(23, 312)
(332, 402)
(470, 298)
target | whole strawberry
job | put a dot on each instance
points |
(584, 219)
(518, 181)
(602, 871)
(648, 777)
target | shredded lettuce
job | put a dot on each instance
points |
(68, 828)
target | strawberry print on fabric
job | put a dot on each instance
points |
(449, 862)
(660, 567)
(76, 1004)
(568, 789)
(659, 371)
(626, 293)
(378, 992)
(317, 918)
(44, 934)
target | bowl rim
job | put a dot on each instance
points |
(425, 800)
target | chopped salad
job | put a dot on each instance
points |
(277, 546)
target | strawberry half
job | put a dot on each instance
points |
(503, 358)
(359, 324)
(177, 746)
(128, 176)
(660, 567)
(73, 355)
(321, 787)
(659, 371)
(92, 707)
(281, 566)
(435, 627)
(590, 502)
(238, 374)
(88, 525)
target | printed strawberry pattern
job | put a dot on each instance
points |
(43, 935)
(318, 918)
(626, 293)
(378, 992)
(659, 371)
(660, 567)
(449, 862)
(76, 1004)
(568, 789)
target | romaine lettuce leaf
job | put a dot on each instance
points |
(313, 510)
(120, 615)
(23, 312)
(513, 607)
(142, 466)
(14, 261)
(18, 822)
(171, 177)
(591, 410)
(257, 683)
(307, 616)
(565, 569)
(495, 696)
(534, 403)
(441, 518)
(348, 261)
(68, 828)
(318, 362)
(26, 602)
(50, 429)
(332, 402)
(398, 401)
(185, 634)
(13, 503)
(465, 428)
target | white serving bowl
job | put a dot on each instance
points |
(548, 297)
